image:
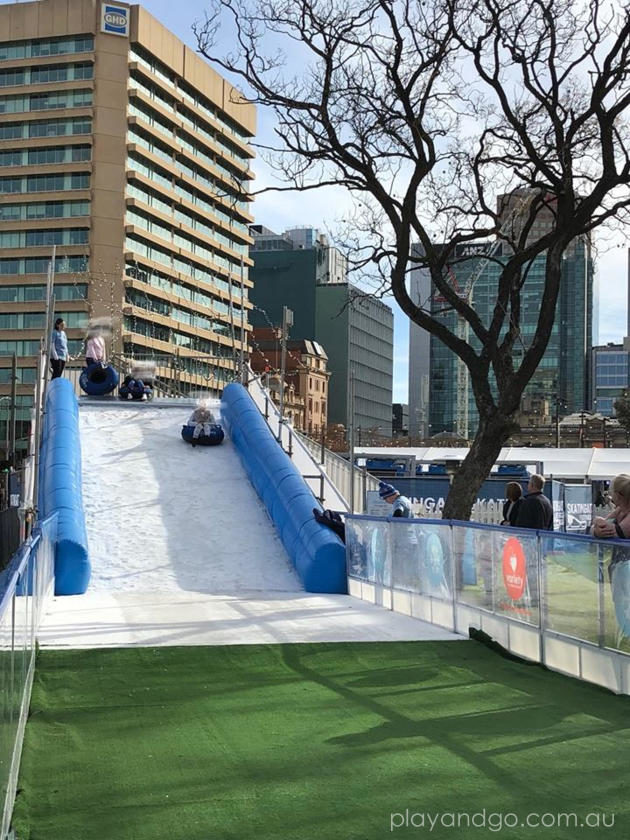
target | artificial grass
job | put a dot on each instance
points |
(314, 741)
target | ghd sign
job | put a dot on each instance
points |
(115, 20)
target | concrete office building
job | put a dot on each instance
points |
(122, 147)
(356, 330)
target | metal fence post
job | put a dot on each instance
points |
(601, 603)
(541, 600)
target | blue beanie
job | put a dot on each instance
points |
(386, 490)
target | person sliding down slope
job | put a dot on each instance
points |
(202, 420)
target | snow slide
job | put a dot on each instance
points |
(162, 516)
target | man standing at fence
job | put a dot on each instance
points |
(535, 510)
(401, 504)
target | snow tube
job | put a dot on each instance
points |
(97, 380)
(60, 487)
(319, 556)
(213, 439)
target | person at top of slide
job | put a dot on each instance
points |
(94, 348)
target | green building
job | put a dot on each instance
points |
(564, 374)
(298, 269)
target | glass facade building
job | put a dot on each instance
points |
(564, 373)
(611, 369)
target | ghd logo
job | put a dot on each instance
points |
(115, 19)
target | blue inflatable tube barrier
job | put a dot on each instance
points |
(317, 553)
(213, 439)
(98, 380)
(60, 487)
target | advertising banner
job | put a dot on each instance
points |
(578, 508)
(432, 493)
(557, 501)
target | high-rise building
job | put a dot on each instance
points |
(419, 356)
(125, 150)
(564, 373)
(355, 329)
(610, 377)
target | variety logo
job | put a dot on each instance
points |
(514, 569)
(115, 19)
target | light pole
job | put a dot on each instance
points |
(287, 321)
(6, 445)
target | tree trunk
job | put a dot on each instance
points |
(492, 433)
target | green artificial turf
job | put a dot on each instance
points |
(315, 742)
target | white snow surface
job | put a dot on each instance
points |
(164, 517)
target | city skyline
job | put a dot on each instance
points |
(284, 210)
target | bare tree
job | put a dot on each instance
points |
(429, 112)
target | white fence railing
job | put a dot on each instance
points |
(339, 471)
(314, 474)
(25, 587)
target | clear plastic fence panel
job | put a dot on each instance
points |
(422, 557)
(7, 724)
(571, 578)
(368, 550)
(615, 593)
(472, 559)
(23, 638)
(515, 574)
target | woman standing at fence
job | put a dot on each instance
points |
(617, 523)
(58, 349)
(514, 496)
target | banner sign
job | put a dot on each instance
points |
(578, 507)
(115, 19)
(432, 493)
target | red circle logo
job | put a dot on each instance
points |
(514, 567)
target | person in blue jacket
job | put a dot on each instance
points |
(58, 349)
(401, 504)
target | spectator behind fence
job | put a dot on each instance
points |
(617, 523)
(514, 496)
(535, 510)
(401, 504)
(58, 349)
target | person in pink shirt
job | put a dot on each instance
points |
(94, 348)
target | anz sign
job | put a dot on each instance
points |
(115, 19)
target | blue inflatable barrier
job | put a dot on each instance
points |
(317, 553)
(213, 439)
(60, 487)
(98, 380)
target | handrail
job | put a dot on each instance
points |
(286, 436)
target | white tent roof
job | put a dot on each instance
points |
(558, 463)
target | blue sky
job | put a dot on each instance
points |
(323, 209)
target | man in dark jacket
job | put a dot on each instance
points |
(535, 511)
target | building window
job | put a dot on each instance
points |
(46, 46)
